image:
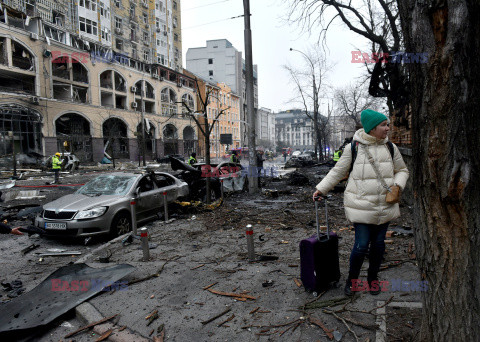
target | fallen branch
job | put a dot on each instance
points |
(194, 268)
(209, 286)
(150, 315)
(217, 316)
(330, 302)
(155, 275)
(227, 320)
(235, 295)
(104, 335)
(89, 326)
(254, 310)
(349, 320)
(319, 324)
(345, 323)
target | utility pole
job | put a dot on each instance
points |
(252, 158)
(143, 123)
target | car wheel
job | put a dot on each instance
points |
(121, 224)
(215, 194)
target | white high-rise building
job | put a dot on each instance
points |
(219, 61)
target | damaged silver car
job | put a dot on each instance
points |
(102, 206)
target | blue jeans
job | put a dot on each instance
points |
(366, 234)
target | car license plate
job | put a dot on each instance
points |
(50, 225)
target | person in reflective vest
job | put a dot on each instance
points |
(234, 158)
(337, 155)
(56, 166)
(193, 159)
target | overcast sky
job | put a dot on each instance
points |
(272, 39)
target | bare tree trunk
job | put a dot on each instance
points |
(207, 160)
(445, 101)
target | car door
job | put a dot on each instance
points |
(147, 199)
(166, 184)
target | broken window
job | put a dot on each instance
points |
(149, 137)
(70, 70)
(26, 125)
(170, 132)
(115, 133)
(188, 100)
(120, 102)
(21, 58)
(73, 135)
(80, 74)
(168, 99)
(106, 99)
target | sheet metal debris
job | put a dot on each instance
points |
(57, 294)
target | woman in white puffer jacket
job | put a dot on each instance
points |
(364, 197)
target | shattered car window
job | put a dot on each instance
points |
(107, 185)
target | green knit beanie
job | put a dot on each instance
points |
(371, 119)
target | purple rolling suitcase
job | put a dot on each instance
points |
(319, 266)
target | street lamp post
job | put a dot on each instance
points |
(252, 182)
(315, 101)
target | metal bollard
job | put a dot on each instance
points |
(133, 210)
(145, 247)
(221, 187)
(250, 247)
(165, 205)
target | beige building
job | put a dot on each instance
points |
(65, 84)
(223, 99)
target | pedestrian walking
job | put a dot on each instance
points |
(284, 156)
(56, 167)
(376, 172)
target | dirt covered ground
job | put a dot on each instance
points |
(202, 271)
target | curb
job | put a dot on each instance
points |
(88, 313)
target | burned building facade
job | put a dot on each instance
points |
(78, 76)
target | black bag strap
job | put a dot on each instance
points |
(354, 147)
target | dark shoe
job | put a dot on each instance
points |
(348, 289)
(374, 287)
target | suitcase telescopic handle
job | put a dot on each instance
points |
(326, 218)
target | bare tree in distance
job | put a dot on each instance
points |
(375, 20)
(308, 83)
(205, 127)
(351, 100)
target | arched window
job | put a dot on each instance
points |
(187, 100)
(73, 135)
(169, 101)
(20, 77)
(149, 139)
(188, 140)
(113, 90)
(170, 139)
(148, 104)
(65, 71)
(115, 134)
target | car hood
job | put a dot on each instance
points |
(177, 164)
(80, 202)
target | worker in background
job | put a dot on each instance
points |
(56, 166)
(193, 159)
(337, 155)
(234, 158)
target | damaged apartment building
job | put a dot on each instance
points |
(78, 76)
